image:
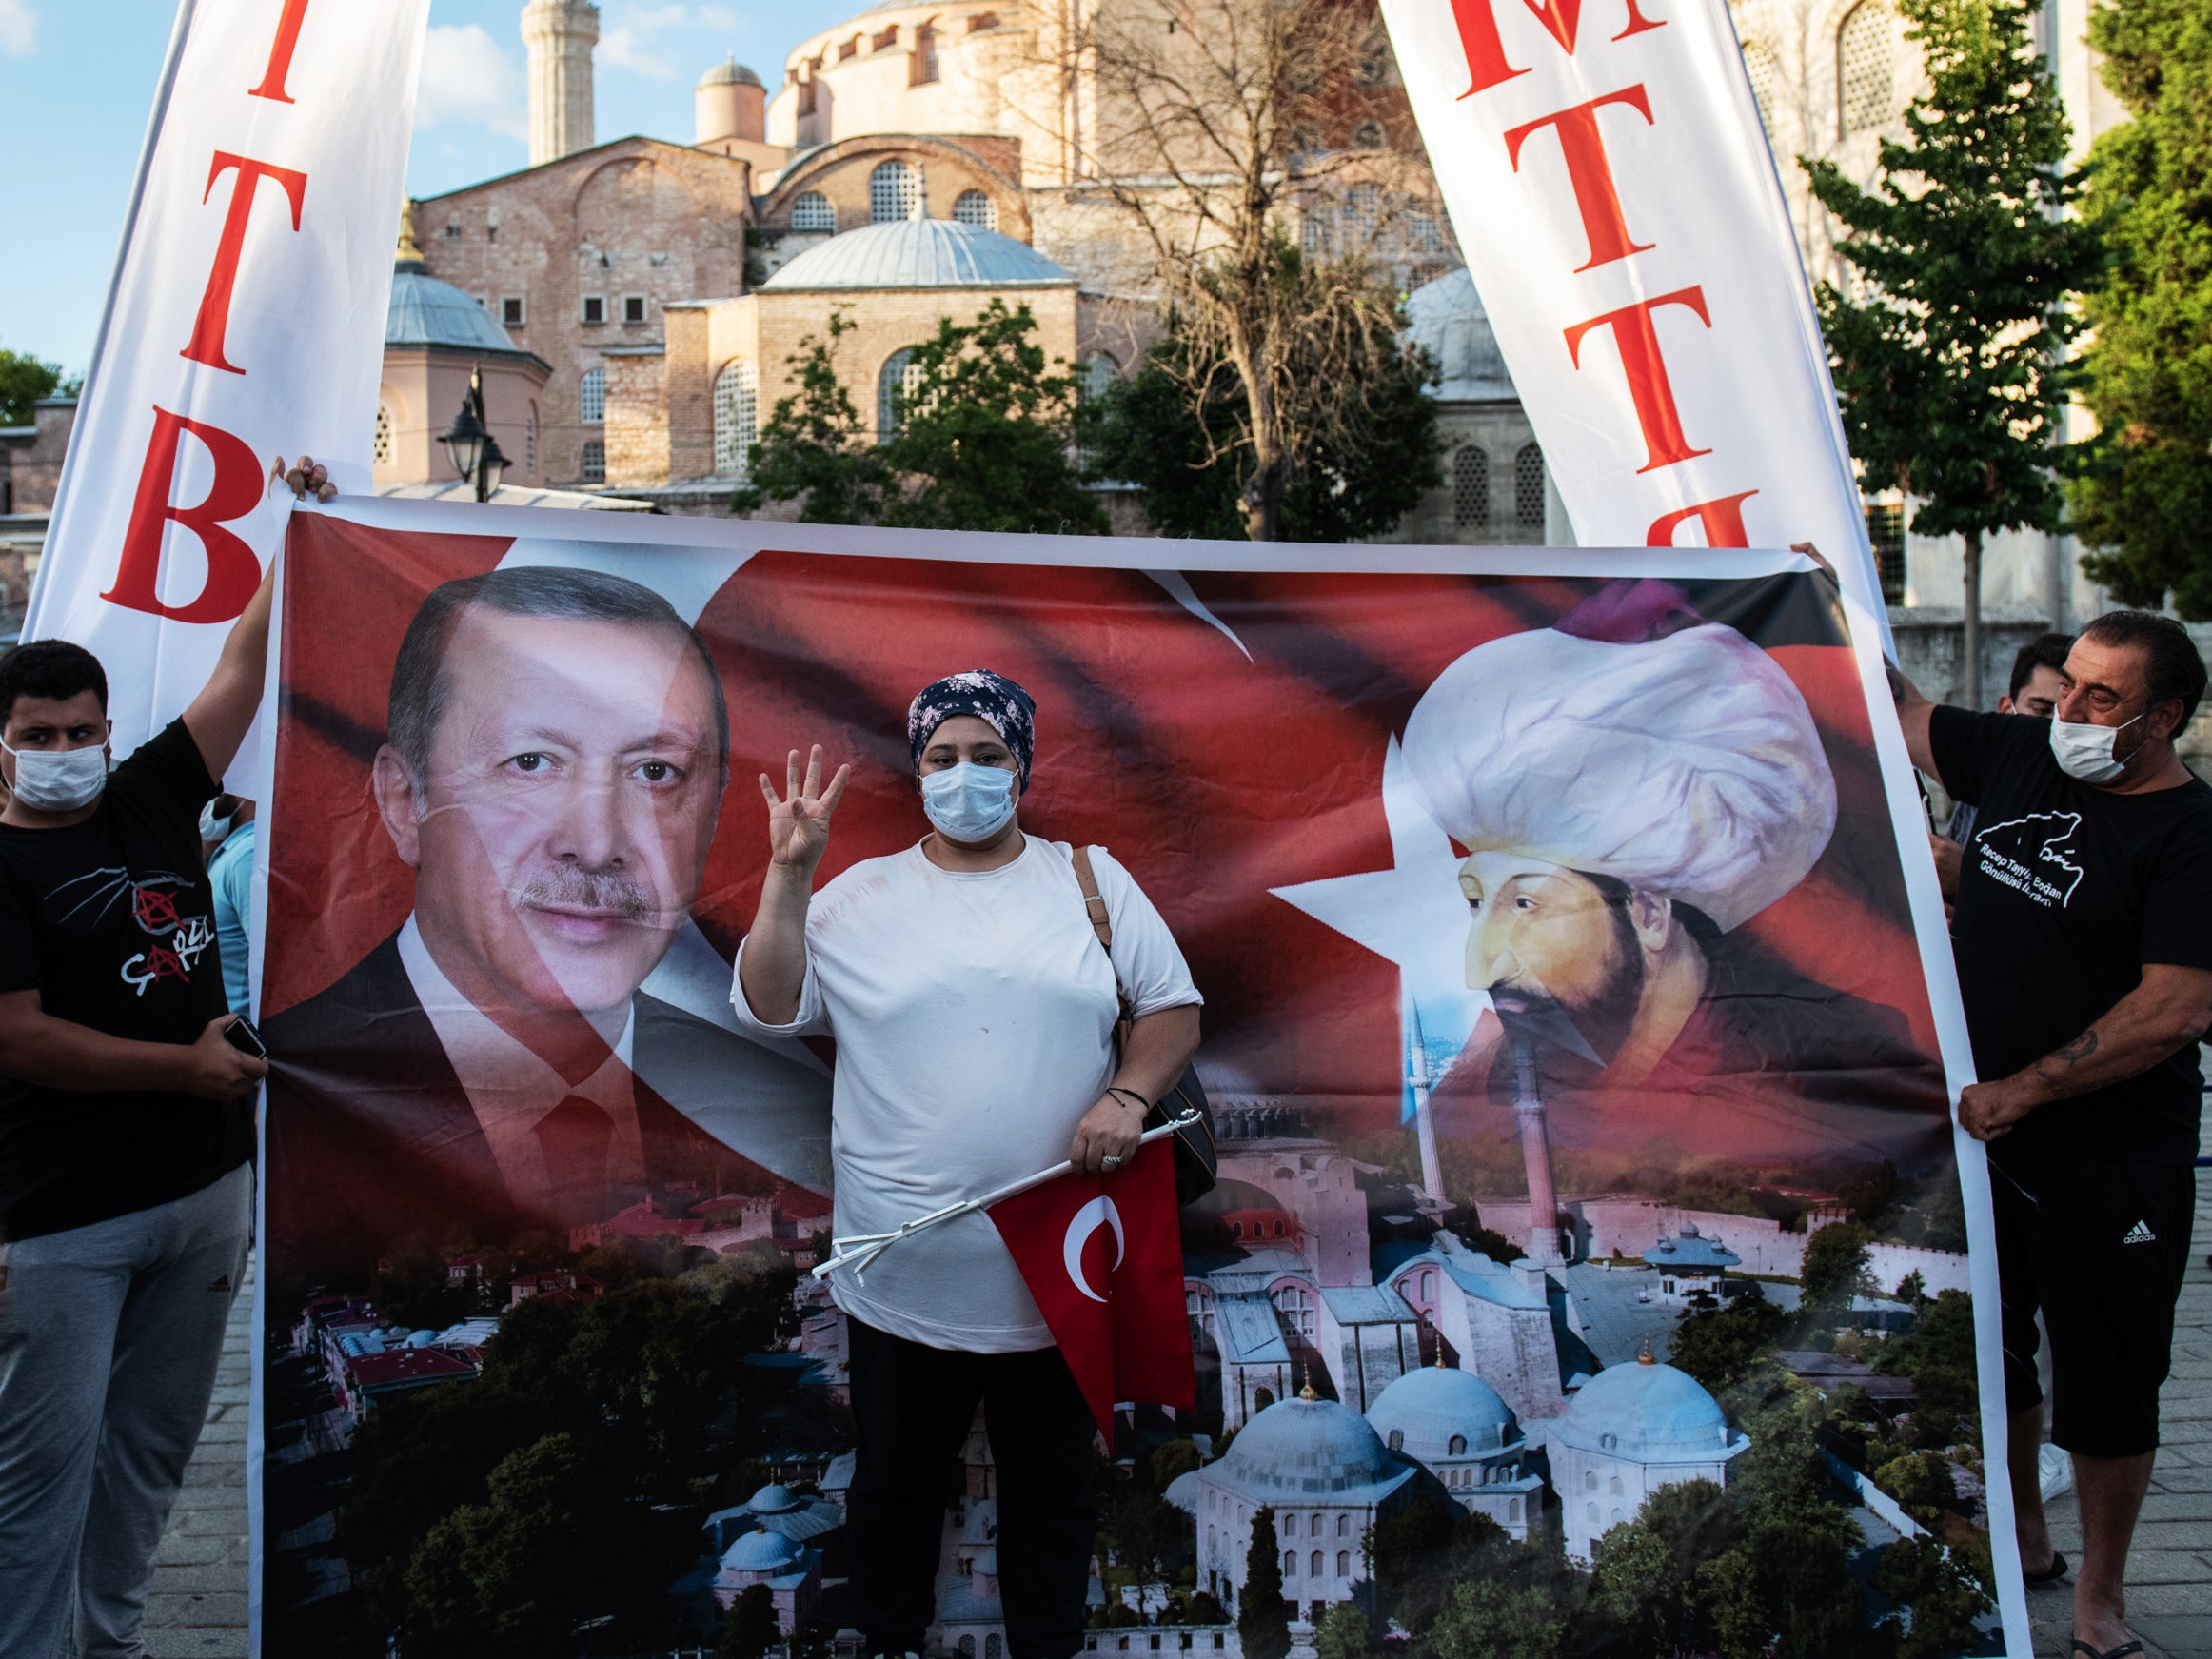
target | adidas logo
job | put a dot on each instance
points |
(222, 1280)
(2139, 1234)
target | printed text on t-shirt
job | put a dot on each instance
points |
(2031, 855)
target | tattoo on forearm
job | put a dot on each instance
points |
(2078, 1049)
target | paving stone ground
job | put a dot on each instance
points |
(198, 1606)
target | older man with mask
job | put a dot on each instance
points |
(555, 759)
(2084, 935)
(1634, 786)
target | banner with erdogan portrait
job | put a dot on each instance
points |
(1579, 1028)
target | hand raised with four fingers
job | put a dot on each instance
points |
(799, 820)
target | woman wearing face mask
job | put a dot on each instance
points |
(974, 1011)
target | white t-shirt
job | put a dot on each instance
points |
(974, 1017)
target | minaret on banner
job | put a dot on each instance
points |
(559, 35)
(1418, 1081)
(1536, 1151)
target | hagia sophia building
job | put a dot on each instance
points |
(631, 303)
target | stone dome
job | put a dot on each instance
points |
(1645, 1411)
(1307, 1449)
(1449, 323)
(763, 1552)
(732, 73)
(920, 253)
(425, 312)
(773, 1500)
(1427, 1406)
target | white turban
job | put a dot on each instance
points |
(1687, 766)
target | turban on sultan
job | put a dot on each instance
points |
(1686, 765)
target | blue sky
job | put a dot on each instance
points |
(77, 77)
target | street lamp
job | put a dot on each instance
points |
(475, 453)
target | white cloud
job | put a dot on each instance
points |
(629, 42)
(623, 46)
(722, 19)
(18, 28)
(466, 80)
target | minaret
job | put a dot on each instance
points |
(1536, 1151)
(559, 35)
(1418, 1081)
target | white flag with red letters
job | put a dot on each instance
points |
(245, 322)
(1613, 191)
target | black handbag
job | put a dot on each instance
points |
(1197, 1163)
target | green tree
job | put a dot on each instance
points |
(1177, 1457)
(1645, 1571)
(1263, 1618)
(1786, 1591)
(1948, 372)
(1941, 1588)
(1486, 1619)
(986, 440)
(1148, 1533)
(813, 448)
(1343, 1633)
(1415, 1557)
(23, 380)
(2146, 372)
(1721, 1347)
(750, 1628)
(1921, 1481)
(1835, 1264)
(1936, 1352)
(1353, 426)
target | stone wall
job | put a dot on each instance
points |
(1931, 647)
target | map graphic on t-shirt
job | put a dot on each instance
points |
(2031, 855)
(174, 944)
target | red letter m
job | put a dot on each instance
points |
(1485, 53)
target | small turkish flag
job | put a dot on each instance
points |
(1103, 1257)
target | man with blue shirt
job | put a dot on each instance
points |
(227, 827)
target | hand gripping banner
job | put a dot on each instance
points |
(1578, 1023)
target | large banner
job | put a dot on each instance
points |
(1616, 199)
(1592, 1252)
(244, 328)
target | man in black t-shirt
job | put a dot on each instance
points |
(2084, 940)
(125, 1130)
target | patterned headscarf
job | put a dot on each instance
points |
(1008, 710)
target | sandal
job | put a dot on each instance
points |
(2050, 1575)
(2120, 1652)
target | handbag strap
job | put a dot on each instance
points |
(1100, 923)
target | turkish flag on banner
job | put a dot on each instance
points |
(1103, 1257)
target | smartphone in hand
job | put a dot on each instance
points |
(241, 1035)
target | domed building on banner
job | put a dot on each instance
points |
(1631, 1430)
(1456, 1427)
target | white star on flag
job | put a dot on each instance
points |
(1415, 915)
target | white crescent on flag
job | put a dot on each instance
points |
(1098, 1213)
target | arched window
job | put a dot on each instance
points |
(1469, 485)
(1455, 1447)
(1765, 70)
(736, 418)
(1313, 1567)
(1589, 1480)
(974, 207)
(1592, 1509)
(1263, 1399)
(1617, 1517)
(1529, 487)
(1313, 1527)
(1866, 67)
(813, 212)
(1344, 1526)
(994, 1644)
(1290, 1564)
(1398, 1439)
(967, 1648)
(382, 452)
(1512, 1508)
(1616, 1486)
(1343, 1564)
(1290, 1526)
(895, 191)
(895, 390)
(591, 396)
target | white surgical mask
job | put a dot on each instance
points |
(2084, 751)
(968, 802)
(59, 779)
(212, 827)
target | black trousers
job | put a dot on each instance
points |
(913, 1406)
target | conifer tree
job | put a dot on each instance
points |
(1948, 369)
(2148, 368)
(1263, 1620)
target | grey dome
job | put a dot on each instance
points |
(1302, 1450)
(732, 73)
(920, 253)
(1431, 1404)
(762, 1552)
(1449, 323)
(1645, 1412)
(425, 312)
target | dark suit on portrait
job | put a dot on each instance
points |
(372, 1135)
